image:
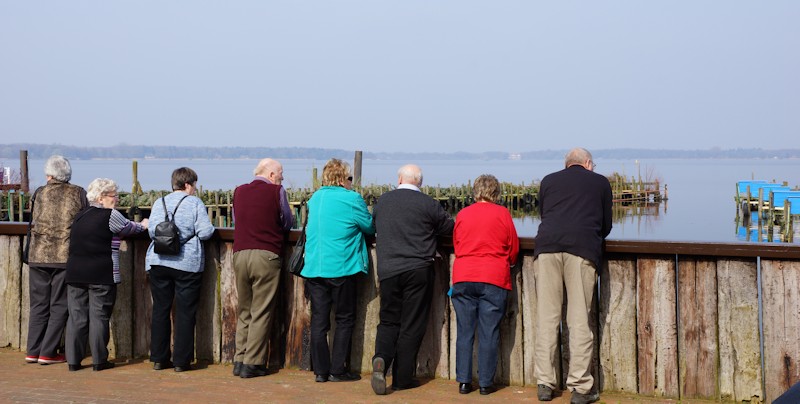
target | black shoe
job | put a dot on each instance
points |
(74, 368)
(544, 392)
(184, 368)
(414, 383)
(464, 388)
(321, 379)
(580, 398)
(488, 390)
(344, 377)
(103, 366)
(249, 371)
(237, 368)
(162, 365)
(379, 376)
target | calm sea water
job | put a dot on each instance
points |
(700, 206)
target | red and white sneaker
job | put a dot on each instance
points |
(44, 360)
(31, 359)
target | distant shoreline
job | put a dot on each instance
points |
(132, 152)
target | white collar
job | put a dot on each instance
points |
(409, 186)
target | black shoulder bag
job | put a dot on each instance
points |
(297, 259)
(167, 239)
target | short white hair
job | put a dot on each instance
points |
(410, 173)
(577, 157)
(59, 168)
(98, 187)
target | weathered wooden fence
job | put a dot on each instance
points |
(675, 320)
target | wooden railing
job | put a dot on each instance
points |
(682, 320)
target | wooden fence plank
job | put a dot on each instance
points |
(528, 324)
(451, 374)
(121, 324)
(510, 366)
(739, 344)
(781, 305)
(206, 337)
(229, 301)
(433, 357)
(365, 330)
(10, 291)
(697, 329)
(25, 307)
(656, 325)
(298, 323)
(142, 301)
(617, 331)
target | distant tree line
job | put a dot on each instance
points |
(125, 151)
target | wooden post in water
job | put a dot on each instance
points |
(357, 169)
(787, 221)
(136, 189)
(314, 180)
(24, 184)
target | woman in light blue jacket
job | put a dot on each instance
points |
(177, 276)
(336, 253)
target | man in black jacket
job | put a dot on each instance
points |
(575, 204)
(407, 224)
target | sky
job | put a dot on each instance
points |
(410, 75)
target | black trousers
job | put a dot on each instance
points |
(48, 310)
(325, 293)
(405, 304)
(168, 284)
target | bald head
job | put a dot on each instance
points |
(579, 157)
(270, 169)
(410, 174)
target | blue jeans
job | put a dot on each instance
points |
(484, 305)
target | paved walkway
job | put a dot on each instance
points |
(137, 382)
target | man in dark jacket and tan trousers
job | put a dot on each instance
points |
(575, 205)
(407, 224)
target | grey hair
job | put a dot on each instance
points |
(577, 157)
(411, 173)
(59, 168)
(98, 187)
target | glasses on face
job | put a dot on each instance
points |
(593, 164)
(112, 196)
(350, 178)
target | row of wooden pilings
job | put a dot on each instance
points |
(674, 320)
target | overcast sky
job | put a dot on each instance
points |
(404, 75)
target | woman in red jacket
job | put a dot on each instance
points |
(486, 247)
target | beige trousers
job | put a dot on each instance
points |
(258, 273)
(553, 273)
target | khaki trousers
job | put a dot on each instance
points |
(257, 276)
(553, 273)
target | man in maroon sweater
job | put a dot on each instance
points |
(262, 217)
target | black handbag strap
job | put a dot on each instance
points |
(166, 212)
(305, 222)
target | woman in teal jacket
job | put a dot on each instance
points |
(336, 253)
